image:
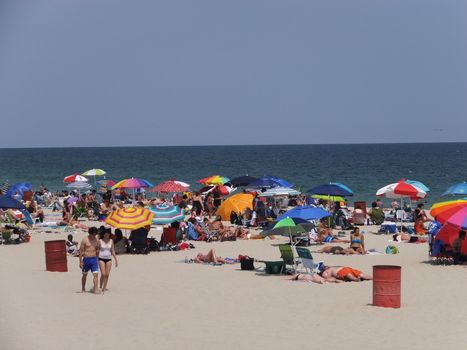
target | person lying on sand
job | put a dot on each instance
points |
(336, 250)
(315, 278)
(211, 257)
(405, 237)
(344, 273)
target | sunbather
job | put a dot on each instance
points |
(344, 273)
(336, 250)
(211, 257)
(315, 278)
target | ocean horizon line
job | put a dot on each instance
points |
(235, 145)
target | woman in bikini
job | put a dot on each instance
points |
(211, 257)
(357, 242)
(106, 253)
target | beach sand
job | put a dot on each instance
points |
(159, 302)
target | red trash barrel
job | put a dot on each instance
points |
(387, 286)
(55, 256)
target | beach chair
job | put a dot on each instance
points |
(307, 260)
(288, 257)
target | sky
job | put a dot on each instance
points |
(159, 73)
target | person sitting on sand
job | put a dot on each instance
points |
(344, 273)
(376, 214)
(357, 242)
(120, 242)
(211, 257)
(72, 246)
(315, 278)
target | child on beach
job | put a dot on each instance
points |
(72, 246)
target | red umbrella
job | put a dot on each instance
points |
(170, 186)
(74, 178)
(448, 233)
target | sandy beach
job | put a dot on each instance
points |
(159, 301)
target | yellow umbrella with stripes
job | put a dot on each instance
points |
(130, 218)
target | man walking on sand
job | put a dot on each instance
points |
(88, 252)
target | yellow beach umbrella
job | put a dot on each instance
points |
(237, 203)
(130, 218)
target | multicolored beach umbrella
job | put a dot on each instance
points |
(74, 178)
(454, 215)
(286, 227)
(214, 180)
(165, 214)
(171, 186)
(440, 207)
(134, 182)
(130, 218)
(401, 189)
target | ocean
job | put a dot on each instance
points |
(362, 167)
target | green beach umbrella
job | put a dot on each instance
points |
(285, 227)
(328, 198)
(94, 172)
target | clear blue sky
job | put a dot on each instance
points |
(114, 72)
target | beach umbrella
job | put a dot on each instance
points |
(214, 180)
(74, 178)
(237, 203)
(133, 183)
(170, 186)
(244, 180)
(279, 191)
(268, 181)
(454, 215)
(165, 214)
(20, 188)
(10, 203)
(222, 189)
(94, 172)
(418, 184)
(440, 207)
(328, 198)
(286, 227)
(401, 189)
(305, 212)
(457, 189)
(331, 189)
(5, 186)
(130, 218)
(448, 233)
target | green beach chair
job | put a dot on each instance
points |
(288, 257)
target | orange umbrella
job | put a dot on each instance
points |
(130, 218)
(237, 203)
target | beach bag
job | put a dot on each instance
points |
(246, 263)
(390, 249)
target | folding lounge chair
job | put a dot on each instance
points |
(288, 257)
(307, 260)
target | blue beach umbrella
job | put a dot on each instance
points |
(268, 181)
(305, 212)
(332, 189)
(10, 203)
(457, 189)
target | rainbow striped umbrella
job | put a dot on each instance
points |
(214, 180)
(134, 182)
(165, 214)
(130, 218)
(439, 208)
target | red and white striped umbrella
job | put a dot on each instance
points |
(74, 178)
(401, 189)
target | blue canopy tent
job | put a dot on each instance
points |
(305, 212)
(10, 203)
